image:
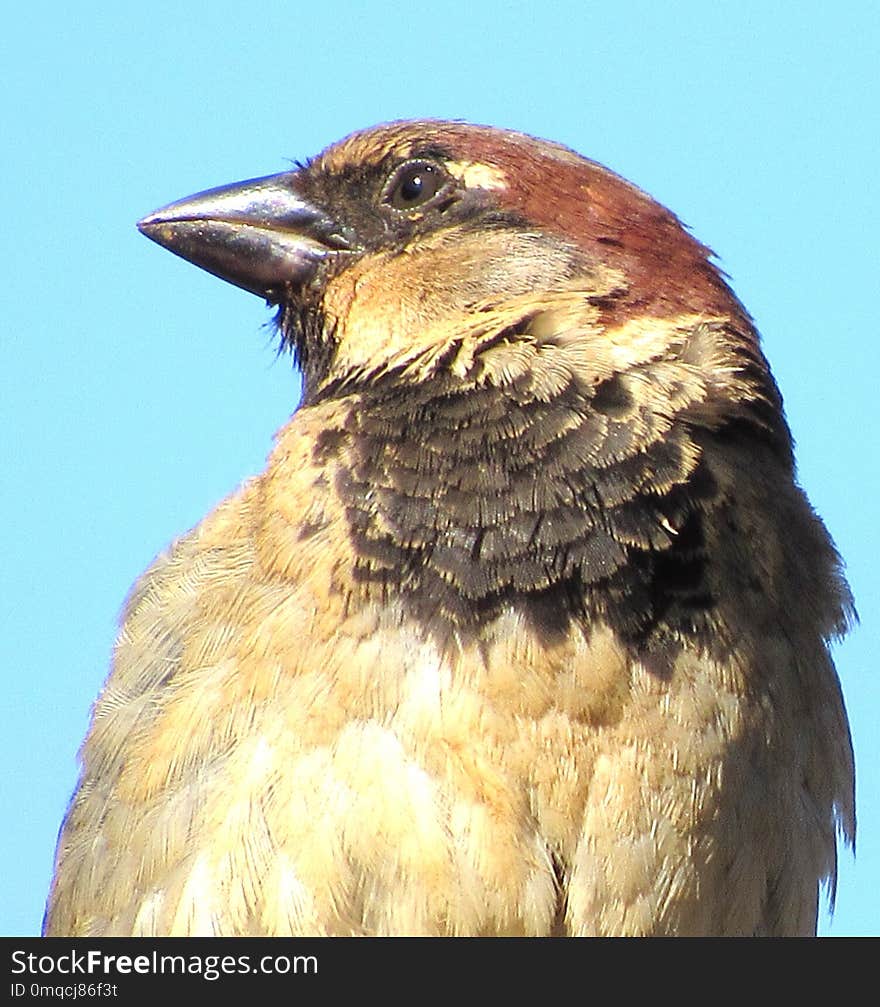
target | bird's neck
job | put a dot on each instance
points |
(528, 480)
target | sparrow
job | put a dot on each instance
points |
(524, 629)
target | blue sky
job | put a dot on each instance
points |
(137, 391)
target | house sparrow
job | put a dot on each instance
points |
(524, 628)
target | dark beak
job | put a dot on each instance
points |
(260, 234)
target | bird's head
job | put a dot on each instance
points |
(412, 242)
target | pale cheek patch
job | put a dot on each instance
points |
(475, 175)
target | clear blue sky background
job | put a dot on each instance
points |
(137, 391)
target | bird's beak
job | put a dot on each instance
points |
(259, 234)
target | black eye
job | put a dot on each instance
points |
(414, 184)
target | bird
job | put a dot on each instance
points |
(524, 629)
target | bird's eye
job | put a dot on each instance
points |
(413, 185)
